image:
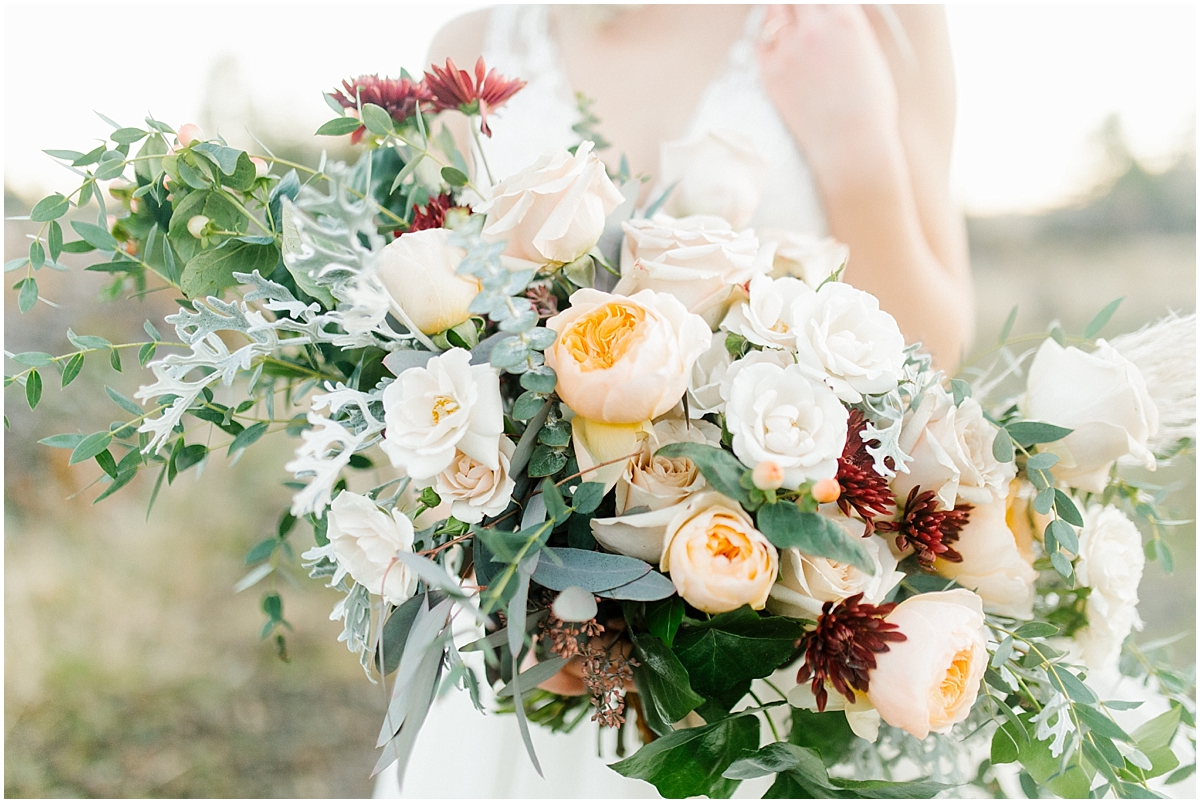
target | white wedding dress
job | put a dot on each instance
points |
(461, 753)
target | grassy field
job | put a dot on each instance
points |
(133, 670)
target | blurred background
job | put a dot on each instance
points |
(132, 668)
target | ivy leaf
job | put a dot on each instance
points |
(663, 681)
(691, 762)
(734, 647)
(786, 525)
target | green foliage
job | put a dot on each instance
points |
(786, 526)
(691, 762)
(722, 470)
(800, 773)
(731, 648)
(210, 271)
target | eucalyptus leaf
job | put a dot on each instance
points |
(51, 207)
(787, 526)
(721, 469)
(1027, 433)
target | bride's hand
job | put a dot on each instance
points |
(826, 73)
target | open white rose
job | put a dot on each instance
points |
(951, 449)
(623, 360)
(806, 583)
(473, 489)
(704, 385)
(768, 317)
(418, 272)
(719, 172)
(656, 487)
(449, 406)
(364, 541)
(716, 559)
(780, 414)
(843, 337)
(807, 257)
(993, 564)
(551, 212)
(700, 260)
(1110, 562)
(1103, 398)
(929, 681)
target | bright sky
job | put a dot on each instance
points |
(1034, 81)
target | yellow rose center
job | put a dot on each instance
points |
(443, 406)
(954, 685)
(597, 340)
(726, 542)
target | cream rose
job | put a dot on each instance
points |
(1110, 563)
(364, 540)
(806, 257)
(929, 681)
(719, 172)
(951, 449)
(780, 414)
(621, 360)
(716, 559)
(700, 260)
(768, 316)
(844, 338)
(418, 272)
(551, 212)
(473, 489)
(704, 385)
(654, 487)
(993, 564)
(435, 412)
(806, 583)
(1103, 398)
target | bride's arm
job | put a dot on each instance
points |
(874, 114)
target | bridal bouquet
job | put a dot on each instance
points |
(657, 470)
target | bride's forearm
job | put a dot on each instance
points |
(870, 206)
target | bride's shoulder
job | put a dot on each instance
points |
(461, 39)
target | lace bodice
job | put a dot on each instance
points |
(518, 43)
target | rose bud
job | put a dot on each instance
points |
(827, 490)
(196, 225)
(768, 476)
(189, 133)
(261, 168)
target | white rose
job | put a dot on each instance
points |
(806, 583)
(1110, 563)
(807, 257)
(717, 173)
(704, 385)
(716, 559)
(449, 406)
(779, 414)
(364, 541)
(768, 317)
(842, 334)
(655, 487)
(473, 489)
(993, 564)
(622, 360)
(551, 212)
(418, 272)
(700, 260)
(1103, 398)
(951, 449)
(929, 681)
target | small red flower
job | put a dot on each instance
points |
(453, 88)
(433, 214)
(842, 648)
(863, 490)
(399, 97)
(928, 528)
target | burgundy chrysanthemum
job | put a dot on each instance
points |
(842, 648)
(928, 528)
(433, 214)
(453, 88)
(397, 96)
(863, 490)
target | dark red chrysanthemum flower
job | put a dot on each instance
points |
(433, 214)
(842, 648)
(397, 96)
(928, 528)
(453, 88)
(863, 490)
